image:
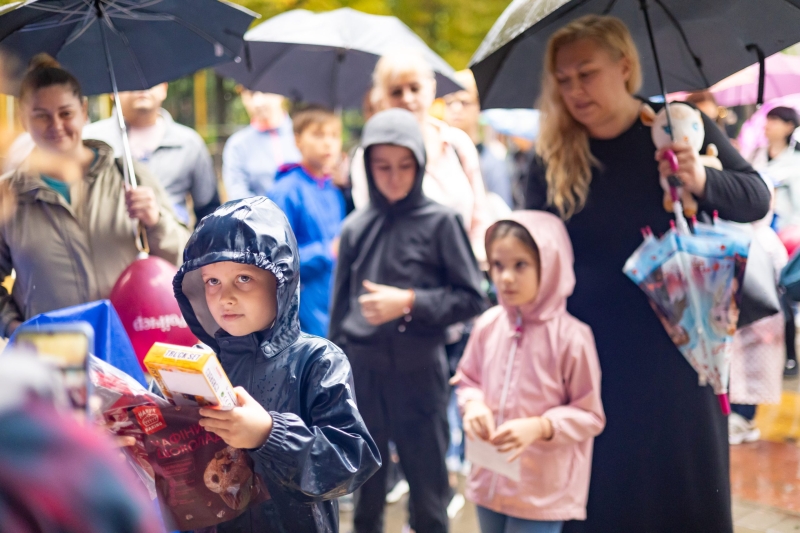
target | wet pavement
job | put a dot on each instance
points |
(765, 477)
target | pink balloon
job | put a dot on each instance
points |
(146, 305)
(790, 237)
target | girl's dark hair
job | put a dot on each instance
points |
(785, 114)
(509, 228)
(44, 71)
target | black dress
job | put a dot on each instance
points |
(662, 464)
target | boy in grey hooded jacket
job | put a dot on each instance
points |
(413, 251)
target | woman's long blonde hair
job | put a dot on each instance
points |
(563, 142)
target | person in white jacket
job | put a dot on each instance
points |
(780, 162)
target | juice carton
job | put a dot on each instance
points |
(190, 376)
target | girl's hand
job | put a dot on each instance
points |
(691, 171)
(247, 426)
(520, 433)
(478, 420)
(383, 303)
(142, 205)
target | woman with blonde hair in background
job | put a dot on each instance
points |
(452, 174)
(662, 463)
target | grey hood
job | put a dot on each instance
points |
(398, 127)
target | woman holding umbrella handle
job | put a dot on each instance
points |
(662, 463)
(66, 225)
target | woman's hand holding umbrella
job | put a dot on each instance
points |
(690, 171)
(143, 206)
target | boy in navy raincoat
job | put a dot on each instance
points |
(239, 292)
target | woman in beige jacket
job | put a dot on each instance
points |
(69, 239)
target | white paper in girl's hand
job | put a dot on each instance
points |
(485, 455)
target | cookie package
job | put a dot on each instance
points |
(198, 479)
(190, 376)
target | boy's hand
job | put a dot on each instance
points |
(520, 433)
(384, 303)
(478, 420)
(335, 248)
(247, 426)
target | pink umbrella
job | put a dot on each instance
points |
(782, 77)
(751, 136)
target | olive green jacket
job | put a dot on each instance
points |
(72, 253)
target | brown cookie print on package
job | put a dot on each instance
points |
(229, 475)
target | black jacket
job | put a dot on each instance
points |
(413, 243)
(319, 448)
(662, 464)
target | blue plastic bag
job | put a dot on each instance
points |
(111, 342)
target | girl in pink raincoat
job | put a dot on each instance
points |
(529, 382)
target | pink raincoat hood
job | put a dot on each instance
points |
(557, 277)
(550, 369)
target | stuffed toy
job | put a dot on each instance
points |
(687, 127)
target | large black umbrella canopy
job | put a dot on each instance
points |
(699, 42)
(149, 41)
(327, 58)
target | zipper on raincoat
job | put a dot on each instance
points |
(506, 386)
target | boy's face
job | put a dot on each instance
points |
(241, 298)
(321, 146)
(394, 169)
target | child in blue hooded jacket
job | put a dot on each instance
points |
(315, 209)
(297, 418)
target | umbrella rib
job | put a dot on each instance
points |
(62, 10)
(697, 61)
(75, 36)
(88, 19)
(127, 44)
(172, 18)
(609, 7)
(129, 9)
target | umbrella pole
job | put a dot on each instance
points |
(129, 173)
(674, 182)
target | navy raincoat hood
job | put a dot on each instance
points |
(319, 448)
(255, 232)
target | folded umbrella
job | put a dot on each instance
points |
(327, 58)
(694, 283)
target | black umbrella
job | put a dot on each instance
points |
(327, 58)
(699, 42)
(122, 45)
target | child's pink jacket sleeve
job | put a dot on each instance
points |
(468, 376)
(582, 417)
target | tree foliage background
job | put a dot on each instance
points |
(452, 28)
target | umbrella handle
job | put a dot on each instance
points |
(724, 403)
(141, 240)
(673, 180)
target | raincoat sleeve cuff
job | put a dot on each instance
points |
(426, 301)
(277, 437)
(466, 394)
